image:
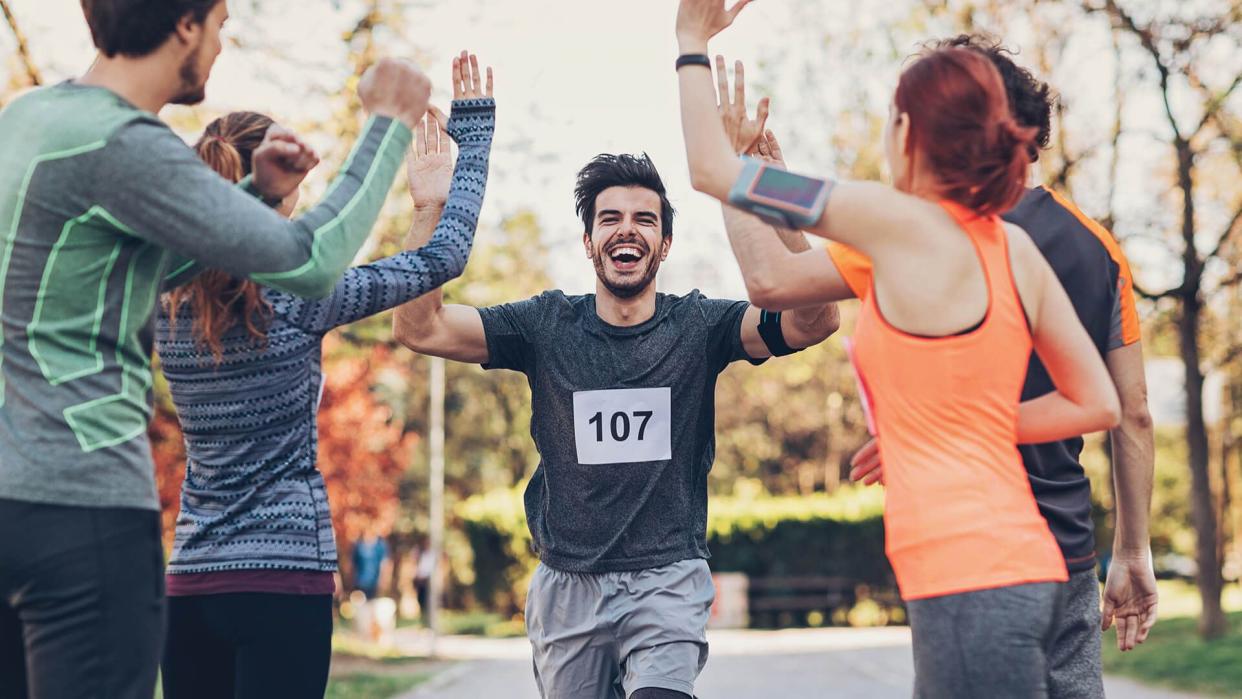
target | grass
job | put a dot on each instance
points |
(365, 685)
(1174, 656)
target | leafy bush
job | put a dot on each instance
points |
(838, 535)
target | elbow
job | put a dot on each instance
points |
(707, 181)
(832, 321)
(407, 334)
(765, 291)
(1136, 419)
(1109, 412)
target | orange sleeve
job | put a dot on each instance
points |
(855, 268)
(1131, 332)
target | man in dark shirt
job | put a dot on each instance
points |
(623, 398)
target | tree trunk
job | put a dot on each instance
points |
(1203, 505)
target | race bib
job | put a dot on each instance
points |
(626, 425)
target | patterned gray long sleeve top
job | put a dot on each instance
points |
(253, 498)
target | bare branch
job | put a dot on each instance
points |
(1155, 296)
(1216, 103)
(1122, 20)
(1235, 224)
(23, 49)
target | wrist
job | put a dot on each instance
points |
(1131, 552)
(428, 208)
(691, 43)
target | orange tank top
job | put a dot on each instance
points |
(959, 513)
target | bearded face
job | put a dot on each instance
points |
(196, 68)
(626, 243)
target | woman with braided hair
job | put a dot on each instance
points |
(251, 576)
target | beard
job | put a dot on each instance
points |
(193, 84)
(634, 284)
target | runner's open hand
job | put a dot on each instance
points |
(1130, 599)
(744, 132)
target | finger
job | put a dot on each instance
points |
(476, 78)
(489, 81)
(1106, 614)
(1149, 620)
(762, 113)
(764, 150)
(775, 146)
(739, 84)
(465, 73)
(1132, 628)
(285, 151)
(1121, 632)
(733, 11)
(456, 78)
(420, 139)
(875, 477)
(868, 450)
(722, 82)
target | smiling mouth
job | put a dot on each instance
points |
(626, 256)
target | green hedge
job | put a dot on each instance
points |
(838, 535)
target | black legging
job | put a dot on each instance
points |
(247, 645)
(81, 601)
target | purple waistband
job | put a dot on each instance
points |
(289, 582)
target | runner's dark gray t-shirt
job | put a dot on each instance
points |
(624, 421)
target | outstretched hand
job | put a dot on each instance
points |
(281, 162)
(430, 165)
(700, 20)
(467, 80)
(744, 132)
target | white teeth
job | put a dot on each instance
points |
(626, 250)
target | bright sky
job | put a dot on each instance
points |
(576, 78)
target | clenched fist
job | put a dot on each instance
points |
(395, 88)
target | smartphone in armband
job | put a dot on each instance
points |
(779, 196)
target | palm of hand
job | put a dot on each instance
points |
(1129, 593)
(430, 176)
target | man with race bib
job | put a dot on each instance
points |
(623, 415)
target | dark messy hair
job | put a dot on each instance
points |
(138, 27)
(1030, 99)
(606, 170)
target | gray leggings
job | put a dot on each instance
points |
(989, 643)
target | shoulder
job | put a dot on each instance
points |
(1022, 250)
(703, 306)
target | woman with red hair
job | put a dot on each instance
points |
(956, 302)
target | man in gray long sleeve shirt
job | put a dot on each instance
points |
(99, 201)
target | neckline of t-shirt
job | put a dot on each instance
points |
(72, 84)
(656, 317)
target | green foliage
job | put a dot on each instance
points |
(1175, 656)
(822, 535)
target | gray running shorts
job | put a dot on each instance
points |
(606, 635)
(1075, 670)
(988, 644)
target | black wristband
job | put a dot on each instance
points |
(773, 335)
(694, 59)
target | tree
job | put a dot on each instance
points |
(1181, 48)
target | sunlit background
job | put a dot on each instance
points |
(1144, 85)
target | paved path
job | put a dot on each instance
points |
(798, 663)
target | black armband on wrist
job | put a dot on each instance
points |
(694, 59)
(772, 334)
